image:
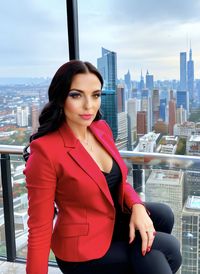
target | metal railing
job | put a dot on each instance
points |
(136, 161)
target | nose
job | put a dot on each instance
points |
(87, 103)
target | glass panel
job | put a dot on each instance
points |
(174, 181)
(2, 224)
(20, 203)
(33, 46)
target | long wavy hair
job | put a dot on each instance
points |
(52, 115)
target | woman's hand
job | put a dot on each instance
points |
(141, 221)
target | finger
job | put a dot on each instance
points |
(151, 236)
(144, 237)
(131, 233)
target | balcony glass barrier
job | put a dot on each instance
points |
(173, 180)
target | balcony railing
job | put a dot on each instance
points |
(171, 179)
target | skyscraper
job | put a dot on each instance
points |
(120, 99)
(127, 80)
(166, 186)
(146, 105)
(132, 122)
(163, 106)
(190, 240)
(183, 85)
(107, 65)
(141, 123)
(149, 81)
(190, 76)
(155, 106)
(182, 99)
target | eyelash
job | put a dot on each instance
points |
(78, 95)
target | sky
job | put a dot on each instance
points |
(145, 34)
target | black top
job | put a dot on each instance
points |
(113, 179)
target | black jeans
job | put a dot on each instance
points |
(125, 258)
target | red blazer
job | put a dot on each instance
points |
(60, 169)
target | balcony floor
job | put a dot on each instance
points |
(19, 268)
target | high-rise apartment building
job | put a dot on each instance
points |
(35, 116)
(107, 65)
(190, 76)
(22, 116)
(181, 115)
(183, 79)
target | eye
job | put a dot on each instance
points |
(97, 95)
(74, 95)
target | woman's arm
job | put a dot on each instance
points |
(41, 184)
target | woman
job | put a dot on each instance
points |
(102, 225)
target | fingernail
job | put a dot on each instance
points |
(148, 249)
(143, 252)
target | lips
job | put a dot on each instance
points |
(86, 116)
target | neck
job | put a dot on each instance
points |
(80, 133)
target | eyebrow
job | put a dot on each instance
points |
(81, 91)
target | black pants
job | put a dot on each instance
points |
(125, 258)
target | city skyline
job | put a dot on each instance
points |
(147, 35)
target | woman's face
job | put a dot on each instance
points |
(83, 100)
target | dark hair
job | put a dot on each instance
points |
(52, 115)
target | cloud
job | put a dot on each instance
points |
(33, 35)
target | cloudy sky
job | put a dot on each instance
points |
(146, 34)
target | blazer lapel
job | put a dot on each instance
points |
(78, 153)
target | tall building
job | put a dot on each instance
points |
(127, 80)
(163, 108)
(22, 116)
(183, 79)
(155, 106)
(190, 240)
(122, 138)
(166, 186)
(181, 115)
(141, 123)
(35, 118)
(109, 110)
(132, 122)
(149, 81)
(107, 65)
(146, 105)
(190, 76)
(182, 99)
(141, 84)
(120, 98)
(172, 116)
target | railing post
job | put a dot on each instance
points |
(8, 207)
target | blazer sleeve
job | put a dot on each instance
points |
(130, 195)
(41, 183)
